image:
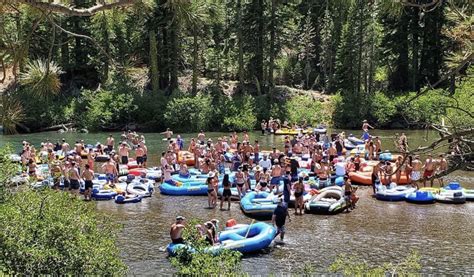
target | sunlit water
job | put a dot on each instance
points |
(376, 231)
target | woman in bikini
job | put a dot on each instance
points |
(298, 187)
(211, 192)
(239, 181)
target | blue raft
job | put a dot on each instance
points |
(259, 205)
(181, 189)
(246, 239)
(397, 193)
(421, 197)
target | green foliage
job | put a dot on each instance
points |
(351, 266)
(239, 114)
(202, 262)
(381, 109)
(8, 169)
(42, 78)
(110, 105)
(304, 108)
(189, 113)
(150, 111)
(53, 232)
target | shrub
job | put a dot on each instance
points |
(304, 108)
(150, 111)
(381, 109)
(202, 262)
(53, 232)
(239, 114)
(189, 113)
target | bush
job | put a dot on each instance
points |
(150, 111)
(239, 113)
(304, 108)
(53, 232)
(381, 109)
(189, 113)
(8, 169)
(201, 262)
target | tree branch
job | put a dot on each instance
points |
(71, 11)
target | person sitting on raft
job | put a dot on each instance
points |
(176, 232)
(183, 170)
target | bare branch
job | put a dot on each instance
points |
(71, 11)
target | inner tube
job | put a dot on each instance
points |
(120, 199)
(259, 205)
(397, 193)
(330, 200)
(103, 194)
(421, 197)
(102, 158)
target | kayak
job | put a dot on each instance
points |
(421, 197)
(396, 193)
(180, 189)
(453, 193)
(245, 239)
(260, 205)
(330, 200)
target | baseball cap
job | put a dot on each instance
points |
(179, 217)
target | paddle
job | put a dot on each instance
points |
(248, 230)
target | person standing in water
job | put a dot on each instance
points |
(227, 193)
(279, 218)
(168, 134)
(87, 176)
(299, 191)
(176, 232)
(442, 167)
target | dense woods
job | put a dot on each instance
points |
(225, 65)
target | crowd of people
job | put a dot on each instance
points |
(70, 165)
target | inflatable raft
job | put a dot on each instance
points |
(120, 199)
(181, 189)
(330, 200)
(453, 193)
(393, 193)
(144, 188)
(245, 239)
(186, 157)
(103, 194)
(421, 197)
(355, 141)
(292, 132)
(259, 205)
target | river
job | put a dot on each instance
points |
(375, 231)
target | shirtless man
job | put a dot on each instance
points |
(74, 178)
(123, 153)
(110, 143)
(168, 133)
(378, 146)
(442, 167)
(416, 165)
(201, 138)
(246, 137)
(78, 147)
(256, 150)
(176, 232)
(87, 175)
(65, 147)
(276, 175)
(110, 171)
(429, 170)
(139, 152)
(366, 126)
(145, 153)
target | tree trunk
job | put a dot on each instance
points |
(415, 50)
(240, 43)
(174, 54)
(361, 44)
(154, 63)
(272, 47)
(195, 61)
(105, 30)
(259, 53)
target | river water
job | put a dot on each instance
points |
(376, 231)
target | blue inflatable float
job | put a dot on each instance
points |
(259, 205)
(103, 194)
(182, 189)
(245, 239)
(421, 197)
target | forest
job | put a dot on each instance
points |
(228, 64)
